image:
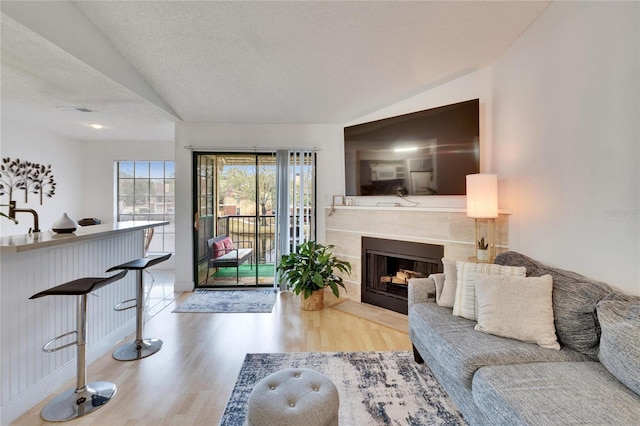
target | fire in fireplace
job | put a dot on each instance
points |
(387, 266)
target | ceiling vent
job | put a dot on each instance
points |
(74, 109)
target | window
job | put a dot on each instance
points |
(146, 191)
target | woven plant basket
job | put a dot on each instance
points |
(315, 302)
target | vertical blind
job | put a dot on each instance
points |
(296, 201)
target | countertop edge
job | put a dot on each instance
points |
(22, 243)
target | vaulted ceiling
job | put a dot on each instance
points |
(142, 65)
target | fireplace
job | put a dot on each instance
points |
(387, 265)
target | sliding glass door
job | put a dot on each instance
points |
(235, 231)
(249, 210)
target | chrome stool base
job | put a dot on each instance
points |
(137, 349)
(72, 404)
(84, 398)
(140, 347)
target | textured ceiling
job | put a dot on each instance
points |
(255, 62)
(39, 81)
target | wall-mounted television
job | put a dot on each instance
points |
(422, 153)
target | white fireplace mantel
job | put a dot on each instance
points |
(447, 226)
(390, 206)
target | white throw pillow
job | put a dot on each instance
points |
(448, 294)
(517, 307)
(465, 302)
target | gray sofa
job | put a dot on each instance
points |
(501, 381)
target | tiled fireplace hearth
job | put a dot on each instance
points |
(449, 228)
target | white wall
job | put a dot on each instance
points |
(559, 125)
(99, 190)
(65, 157)
(566, 139)
(210, 136)
(83, 172)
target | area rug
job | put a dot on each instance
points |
(228, 301)
(376, 388)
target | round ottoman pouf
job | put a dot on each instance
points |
(294, 397)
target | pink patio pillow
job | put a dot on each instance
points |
(228, 245)
(218, 249)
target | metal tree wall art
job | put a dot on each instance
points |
(32, 178)
(42, 178)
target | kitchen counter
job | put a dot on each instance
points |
(32, 263)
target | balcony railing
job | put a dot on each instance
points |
(242, 230)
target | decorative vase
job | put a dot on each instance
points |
(483, 255)
(315, 302)
(64, 225)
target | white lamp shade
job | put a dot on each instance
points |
(482, 196)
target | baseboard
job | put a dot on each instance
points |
(183, 286)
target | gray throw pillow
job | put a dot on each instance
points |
(574, 302)
(620, 341)
(516, 307)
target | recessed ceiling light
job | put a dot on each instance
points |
(96, 125)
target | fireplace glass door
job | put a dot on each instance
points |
(388, 265)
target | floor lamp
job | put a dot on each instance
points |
(482, 203)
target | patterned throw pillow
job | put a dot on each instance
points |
(620, 340)
(465, 303)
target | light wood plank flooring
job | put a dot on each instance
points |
(189, 381)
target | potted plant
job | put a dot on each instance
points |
(310, 270)
(483, 251)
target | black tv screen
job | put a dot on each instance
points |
(427, 152)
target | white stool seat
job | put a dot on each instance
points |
(294, 397)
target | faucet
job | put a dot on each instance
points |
(12, 215)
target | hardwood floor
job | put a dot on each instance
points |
(189, 381)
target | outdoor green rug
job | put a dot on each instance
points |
(228, 301)
(244, 271)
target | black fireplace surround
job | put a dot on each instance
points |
(382, 259)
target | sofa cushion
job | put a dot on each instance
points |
(448, 294)
(574, 302)
(465, 301)
(620, 341)
(560, 393)
(421, 290)
(517, 307)
(461, 350)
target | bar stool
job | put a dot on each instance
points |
(86, 397)
(139, 348)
